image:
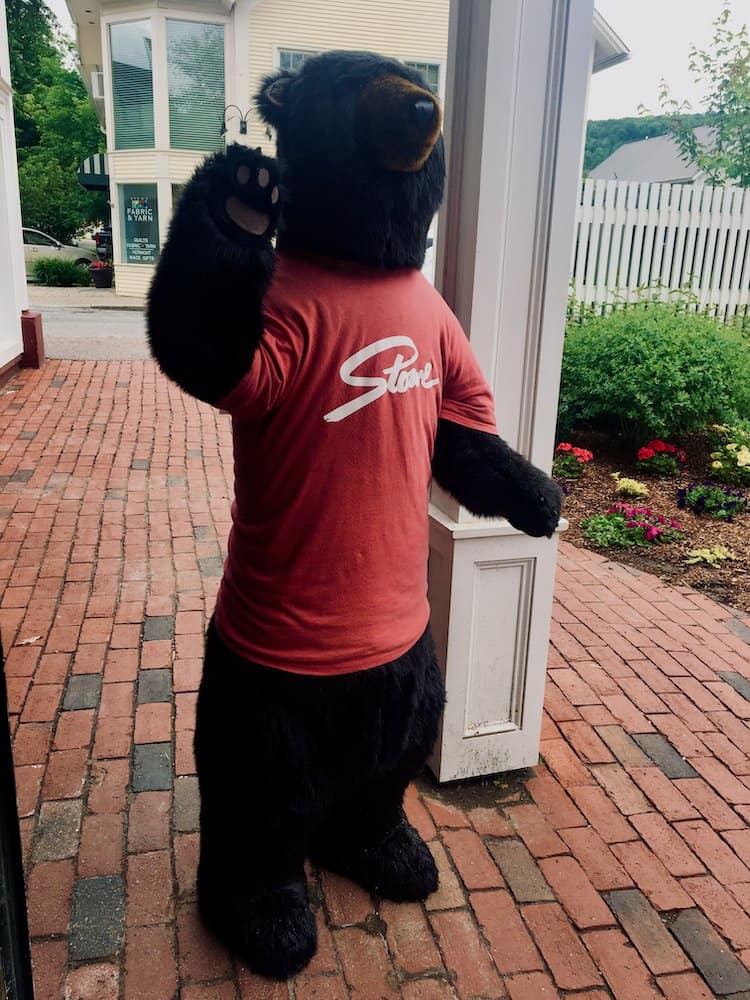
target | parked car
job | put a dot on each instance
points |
(37, 244)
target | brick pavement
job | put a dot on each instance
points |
(618, 867)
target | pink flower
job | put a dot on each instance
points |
(565, 446)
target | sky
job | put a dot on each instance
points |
(658, 33)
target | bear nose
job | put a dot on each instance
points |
(424, 111)
(401, 121)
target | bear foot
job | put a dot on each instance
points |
(274, 932)
(400, 868)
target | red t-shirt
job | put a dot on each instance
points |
(334, 427)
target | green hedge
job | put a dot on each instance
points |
(652, 371)
(60, 273)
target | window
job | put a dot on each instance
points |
(34, 239)
(132, 84)
(195, 73)
(430, 72)
(139, 223)
(292, 59)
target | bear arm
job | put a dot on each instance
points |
(204, 314)
(204, 329)
(490, 479)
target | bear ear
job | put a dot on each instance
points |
(270, 99)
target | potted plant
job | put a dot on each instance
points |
(102, 273)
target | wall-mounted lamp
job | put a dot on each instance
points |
(243, 119)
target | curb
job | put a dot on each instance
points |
(78, 307)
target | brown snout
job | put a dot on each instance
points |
(401, 120)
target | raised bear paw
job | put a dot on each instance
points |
(536, 502)
(243, 194)
(400, 867)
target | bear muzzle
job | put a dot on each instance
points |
(401, 121)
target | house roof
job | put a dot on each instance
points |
(609, 48)
(655, 159)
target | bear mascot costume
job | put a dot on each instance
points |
(289, 294)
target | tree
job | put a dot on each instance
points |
(724, 69)
(51, 198)
(56, 125)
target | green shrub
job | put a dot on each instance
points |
(652, 372)
(60, 273)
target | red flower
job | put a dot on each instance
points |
(564, 447)
(645, 453)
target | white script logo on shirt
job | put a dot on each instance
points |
(399, 377)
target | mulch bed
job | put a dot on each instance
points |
(594, 493)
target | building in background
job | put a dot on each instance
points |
(657, 159)
(161, 76)
(13, 295)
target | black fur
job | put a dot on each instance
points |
(204, 306)
(492, 480)
(338, 200)
(293, 766)
(290, 765)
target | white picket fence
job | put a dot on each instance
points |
(635, 240)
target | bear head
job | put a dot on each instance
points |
(361, 157)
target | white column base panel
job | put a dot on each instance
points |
(491, 591)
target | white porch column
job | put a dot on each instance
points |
(515, 112)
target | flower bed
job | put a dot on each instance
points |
(625, 525)
(617, 465)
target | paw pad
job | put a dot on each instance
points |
(243, 174)
(263, 178)
(274, 196)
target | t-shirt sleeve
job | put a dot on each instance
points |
(271, 373)
(467, 399)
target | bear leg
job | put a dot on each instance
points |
(366, 835)
(255, 814)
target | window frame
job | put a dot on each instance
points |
(190, 19)
(158, 18)
(412, 62)
(278, 49)
(131, 17)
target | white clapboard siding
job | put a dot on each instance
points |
(635, 239)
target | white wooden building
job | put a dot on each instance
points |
(13, 297)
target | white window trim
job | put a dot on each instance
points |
(160, 80)
(278, 49)
(440, 63)
(157, 18)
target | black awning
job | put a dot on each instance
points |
(92, 173)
